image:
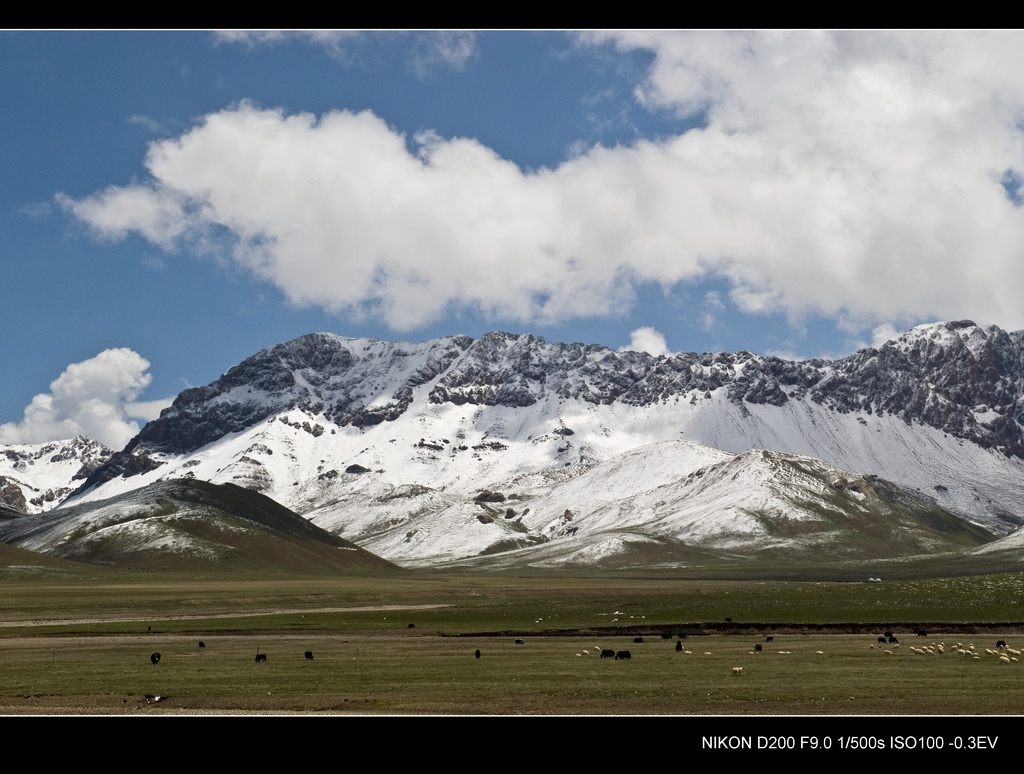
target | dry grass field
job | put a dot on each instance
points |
(797, 674)
(83, 646)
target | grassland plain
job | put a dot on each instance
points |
(82, 644)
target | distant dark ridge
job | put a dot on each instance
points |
(904, 630)
(249, 532)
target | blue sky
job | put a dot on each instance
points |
(175, 201)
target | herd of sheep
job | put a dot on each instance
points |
(1004, 654)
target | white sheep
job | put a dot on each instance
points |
(737, 670)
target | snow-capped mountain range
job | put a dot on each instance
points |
(405, 449)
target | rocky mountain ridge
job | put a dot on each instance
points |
(956, 377)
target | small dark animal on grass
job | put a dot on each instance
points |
(154, 659)
(893, 640)
(261, 657)
(309, 655)
(728, 620)
(477, 654)
(1001, 644)
(622, 655)
(519, 642)
(881, 640)
(411, 626)
(202, 644)
(666, 636)
(679, 646)
(758, 648)
(607, 653)
(769, 638)
(638, 640)
(922, 633)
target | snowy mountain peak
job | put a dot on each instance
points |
(953, 335)
(36, 477)
(350, 381)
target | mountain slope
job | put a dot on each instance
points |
(188, 524)
(667, 502)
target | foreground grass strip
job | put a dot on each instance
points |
(802, 675)
(401, 646)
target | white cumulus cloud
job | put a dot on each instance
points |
(858, 175)
(883, 333)
(649, 340)
(93, 398)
